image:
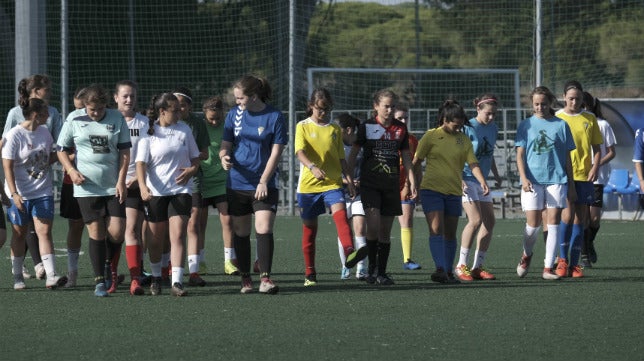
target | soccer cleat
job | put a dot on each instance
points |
(135, 288)
(25, 273)
(562, 268)
(155, 285)
(524, 264)
(19, 282)
(480, 273)
(549, 275)
(451, 278)
(411, 265)
(230, 268)
(203, 268)
(40, 271)
(345, 273)
(55, 281)
(100, 290)
(256, 266)
(384, 280)
(247, 285)
(361, 273)
(585, 261)
(463, 273)
(145, 279)
(268, 287)
(439, 276)
(310, 280)
(356, 256)
(196, 280)
(72, 277)
(177, 290)
(576, 272)
(113, 284)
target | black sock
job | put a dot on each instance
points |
(242, 250)
(383, 256)
(372, 246)
(265, 249)
(97, 256)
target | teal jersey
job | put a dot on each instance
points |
(97, 144)
(213, 180)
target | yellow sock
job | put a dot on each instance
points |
(406, 239)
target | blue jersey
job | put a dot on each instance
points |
(483, 139)
(253, 136)
(638, 148)
(547, 143)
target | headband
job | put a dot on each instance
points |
(182, 95)
(485, 101)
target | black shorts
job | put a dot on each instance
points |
(388, 202)
(242, 203)
(133, 199)
(95, 208)
(161, 208)
(598, 196)
(68, 204)
(196, 200)
(213, 201)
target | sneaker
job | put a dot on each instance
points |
(384, 280)
(19, 282)
(113, 284)
(463, 273)
(155, 286)
(267, 286)
(439, 276)
(55, 281)
(25, 273)
(135, 288)
(411, 265)
(247, 285)
(585, 261)
(100, 290)
(361, 273)
(40, 271)
(549, 275)
(177, 290)
(480, 273)
(524, 264)
(203, 268)
(345, 274)
(256, 266)
(310, 280)
(356, 256)
(230, 268)
(72, 277)
(576, 272)
(562, 268)
(371, 279)
(195, 280)
(451, 278)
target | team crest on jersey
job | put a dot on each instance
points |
(109, 127)
(260, 130)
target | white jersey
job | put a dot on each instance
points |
(609, 140)
(30, 151)
(139, 126)
(167, 152)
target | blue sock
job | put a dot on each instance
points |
(450, 254)
(577, 240)
(564, 240)
(437, 248)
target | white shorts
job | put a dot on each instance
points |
(354, 206)
(474, 192)
(544, 196)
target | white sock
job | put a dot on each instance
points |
(193, 264)
(72, 260)
(177, 275)
(229, 253)
(529, 238)
(551, 245)
(155, 269)
(464, 255)
(479, 257)
(343, 258)
(49, 262)
(359, 243)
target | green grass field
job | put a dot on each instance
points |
(598, 317)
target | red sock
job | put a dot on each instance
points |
(344, 231)
(133, 258)
(308, 248)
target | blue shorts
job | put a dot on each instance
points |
(42, 208)
(450, 205)
(313, 204)
(585, 192)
